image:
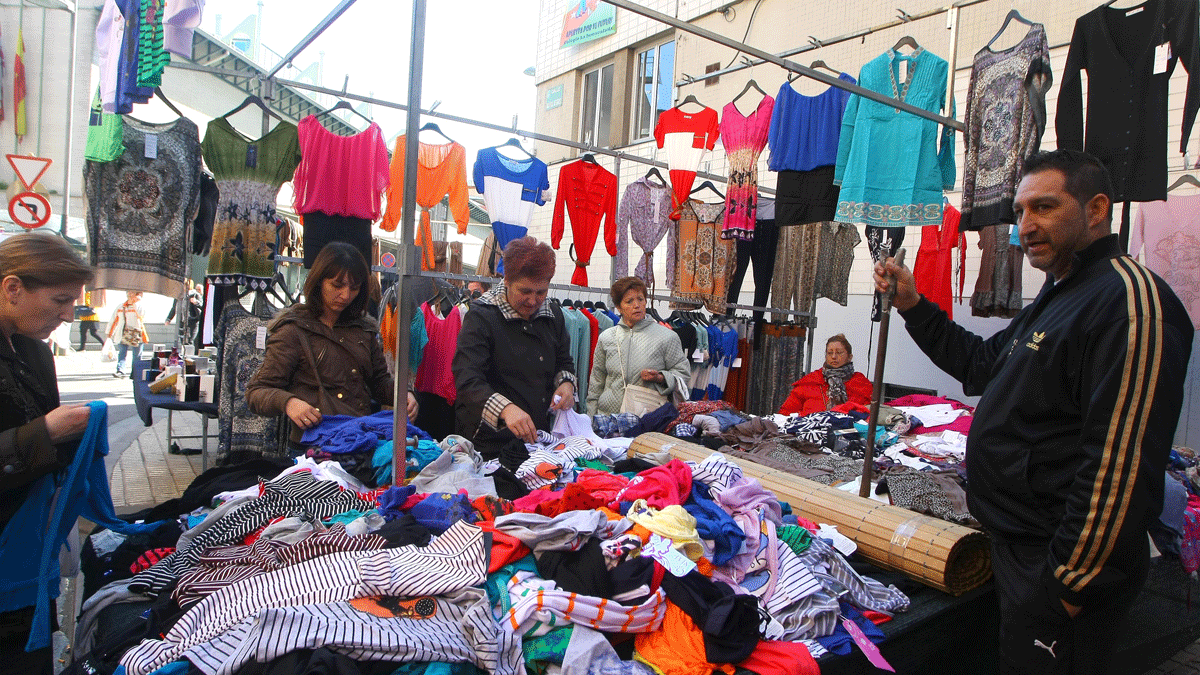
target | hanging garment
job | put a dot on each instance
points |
(805, 129)
(920, 165)
(340, 175)
(932, 269)
(761, 250)
(806, 196)
(434, 375)
(249, 173)
(181, 18)
(321, 228)
(883, 243)
(139, 206)
(705, 259)
(510, 189)
(117, 34)
(644, 214)
(241, 434)
(105, 140)
(441, 171)
(686, 136)
(835, 255)
(1170, 233)
(152, 59)
(490, 259)
(795, 270)
(1121, 49)
(589, 193)
(1005, 118)
(744, 138)
(998, 289)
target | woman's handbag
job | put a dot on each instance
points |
(638, 400)
(131, 337)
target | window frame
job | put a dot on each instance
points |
(589, 121)
(636, 87)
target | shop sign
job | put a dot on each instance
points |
(588, 20)
(554, 97)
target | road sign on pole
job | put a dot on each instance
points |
(28, 167)
(29, 210)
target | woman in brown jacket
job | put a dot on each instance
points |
(323, 355)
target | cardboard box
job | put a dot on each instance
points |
(208, 385)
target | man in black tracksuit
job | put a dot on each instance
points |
(1080, 396)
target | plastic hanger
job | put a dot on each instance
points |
(513, 142)
(690, 98)
(707, 184)
(821, 64)
(1012, 14)
(654, 172)
(749, 83)
(1185, 179)
(432, 126)
(256, 101)
(906, 41)
(345, 105)
(589, 158)
(162, 97)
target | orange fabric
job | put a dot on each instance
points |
(442, 170)
(809, 392)
(387, 330)
(640, 532)
(609, 513)
(678, 648)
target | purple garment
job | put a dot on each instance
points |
(745, 500)
(339, 434)
(645, 209)
(128, 92)
(805, 130)
(440, 510)
(391, 501)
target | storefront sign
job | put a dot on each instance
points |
(554, 97)
(586, 21)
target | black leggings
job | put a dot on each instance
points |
(86, 327)
(762, 251)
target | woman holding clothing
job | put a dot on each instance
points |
(323, 355)
(40, 279)
(635, 352)
(513, 365)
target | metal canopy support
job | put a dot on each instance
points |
(784, 63)
(814, 43)
(66, 197)
(312, 35)
(407, 254)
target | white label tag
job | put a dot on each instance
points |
(737, 363)
(151, 146)
(700, 357)
(1133, 11)
(903, 71)
(845, 545)
(1162, 54)
(260, 337)
(662, 550)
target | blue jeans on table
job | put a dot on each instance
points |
(122, 350)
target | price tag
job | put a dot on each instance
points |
(251, 156)
(867, 646)
(260, 337)
(1135, 10)
(151, 146)
(845, 545)
(662, 550)
(737, 363)
(1162, 54)
(700, 357)
(903, 71)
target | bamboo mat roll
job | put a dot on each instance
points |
(941, 554)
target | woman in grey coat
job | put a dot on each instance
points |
(635, 352)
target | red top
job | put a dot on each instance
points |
(434, 374)
(810, 392)
(932, 270)
(589, 193)
(704, 125)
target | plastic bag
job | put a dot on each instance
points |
(108, 353)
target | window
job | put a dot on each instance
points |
(654, 87)
(597, 106)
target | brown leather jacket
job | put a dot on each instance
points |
(349, 361)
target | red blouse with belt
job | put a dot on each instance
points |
(589, 193)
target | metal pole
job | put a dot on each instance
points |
(308, 39)
(784, 63)
(407, 230)
(66, 196)
(612, 268)
(952, 25)
(864, 489)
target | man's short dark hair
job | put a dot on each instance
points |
(1085, 176)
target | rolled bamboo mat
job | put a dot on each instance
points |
(946, 556)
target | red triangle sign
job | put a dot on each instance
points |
(27, 166)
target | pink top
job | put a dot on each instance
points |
(434, 375)
(1170, 234)
(340, 175)
(744, 139)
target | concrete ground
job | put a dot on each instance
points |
(144, 473)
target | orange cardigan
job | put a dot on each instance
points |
(809, 393)
(442, 170)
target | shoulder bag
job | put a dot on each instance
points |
(638, 399)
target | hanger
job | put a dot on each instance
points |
(162, 97)
(1012, 14)
(345, 105)
(1185, 179)
(749, 83)
(432, 126)
(654, 172)
(589, 158)
(511, 141)
(906, 41)
(691, 98)
(707, 184)
(256, 101)
(821, 64)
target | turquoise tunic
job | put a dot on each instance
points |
(890, 166)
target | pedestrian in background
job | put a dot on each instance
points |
(128, 330)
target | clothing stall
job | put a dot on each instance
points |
(611, 544)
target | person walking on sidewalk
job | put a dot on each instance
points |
(40, 279)
(128, 330)
(1080, 396)
(88, 320)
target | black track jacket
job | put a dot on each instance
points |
(1080, 396)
